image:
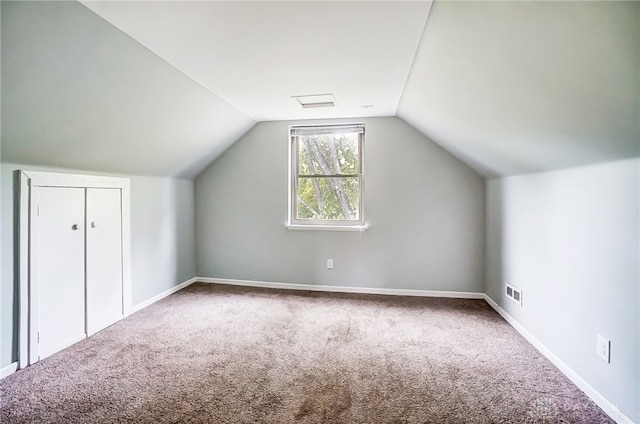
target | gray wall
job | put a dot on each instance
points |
(570, 240)
(424, 207)
(77, 92)
(162, 235)
(162, 244)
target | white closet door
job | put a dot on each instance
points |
(60, 270)
(104, 258)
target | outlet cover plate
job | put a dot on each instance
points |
(603, 348)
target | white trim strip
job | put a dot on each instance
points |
(592, 393)
(65, 179)
(23, 270)
(8, 370)
(161, 296)
(127, 286)
(340, 289)
(316, 227)
(321, 129)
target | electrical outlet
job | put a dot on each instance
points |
(603, 349)
(329, 263)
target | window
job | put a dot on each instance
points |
(326, 180)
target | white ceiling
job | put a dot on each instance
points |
(520, 87)
(257, 55)
(508, 87)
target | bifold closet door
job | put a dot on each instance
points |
(60, 268)
(104, 258)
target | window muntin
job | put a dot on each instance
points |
(326, 175)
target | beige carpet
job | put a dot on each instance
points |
(217, 354)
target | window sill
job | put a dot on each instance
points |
(312, 227)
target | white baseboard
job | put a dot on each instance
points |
(8, 370)
(592, 393)
(340, 289)
(162, 295)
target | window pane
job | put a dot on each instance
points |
(328, 198)
(329, 154)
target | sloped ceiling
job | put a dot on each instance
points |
(161, 88)
(257, 55)
(78, 93)
(519, 87)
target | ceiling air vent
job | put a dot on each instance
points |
(316, 100)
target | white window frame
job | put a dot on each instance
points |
(316, 224)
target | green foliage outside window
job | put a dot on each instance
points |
(328, 182)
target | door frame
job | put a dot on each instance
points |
(27, 231)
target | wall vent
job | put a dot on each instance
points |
(514, 294)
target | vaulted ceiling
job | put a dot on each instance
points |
(78, 93)
(163, 87)
(257, 55)
(516, 87)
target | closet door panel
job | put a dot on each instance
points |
(104, 258)
(60, 272)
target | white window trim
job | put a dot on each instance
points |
(323, 225)
(314, 227)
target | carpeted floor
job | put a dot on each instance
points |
(220, 354)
